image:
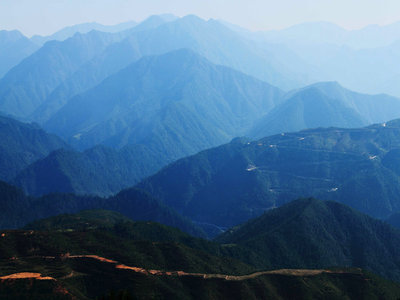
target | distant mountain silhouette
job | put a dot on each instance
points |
(70, 31)
(14, 48)
(175, 104)
(326, 104)
(26, 86)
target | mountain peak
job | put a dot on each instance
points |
(318, 233)
(10, 35)
(327, 87)
(154, 21)
(192, 18)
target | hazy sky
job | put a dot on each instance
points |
(47, 16)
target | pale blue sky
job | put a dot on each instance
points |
(47, 16)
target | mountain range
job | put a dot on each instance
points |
(178, 102)
(70, 254)
(326, 104)
(69, 31)
(230, 184)
(182, 158)
(42, 163)
(18, 209)
(208, 38)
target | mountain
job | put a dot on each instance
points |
(99, 231)
(317, 234)
(221, 45)
(87, 251)
(26, 86)
(230, 184)
(326, 104)
(70, 31)
(83, 28)
(58, 257)
(17, 209)
(175, 104)
(14, 48)
(154, 21)
(50, 83)
(115, 57)
(22, 144)
(98, 171)
(158, 35)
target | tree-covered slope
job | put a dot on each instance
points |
(115, 237)
(232, 183)
(22, 144)
(98, 253)
(316, 234)
(17, 209)
(326, 104)
(177, 104)
(98, 171)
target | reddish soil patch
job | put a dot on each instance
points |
(26, 275)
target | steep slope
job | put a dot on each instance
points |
(115, 57)
(326, 105)
(232, 183)
(316, 234)
(22, 144)
(97, 171)
(14, 48)
(27, 85)
(17, 209)
(176, 104)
